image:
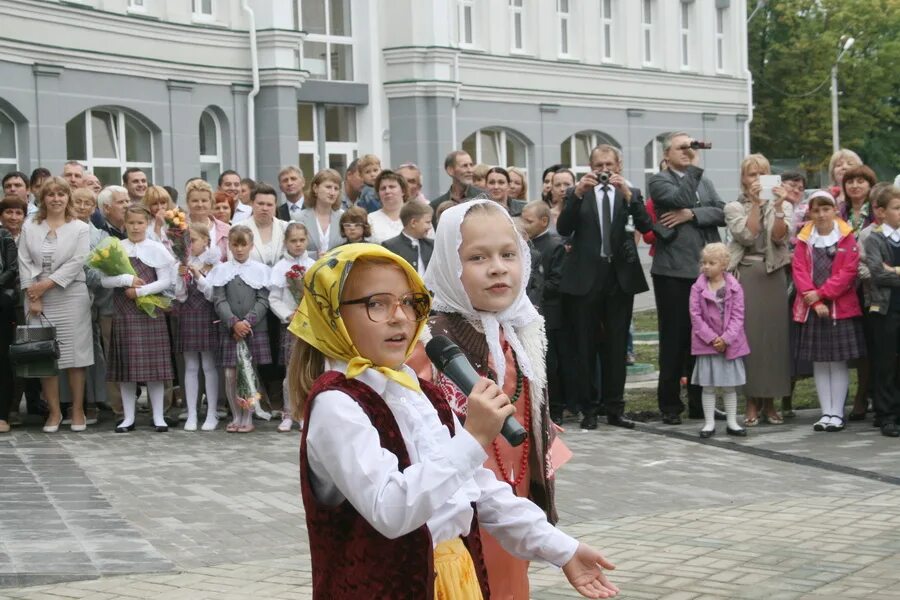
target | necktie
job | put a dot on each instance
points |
(606, 222)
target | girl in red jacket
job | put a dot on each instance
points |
(826, 306)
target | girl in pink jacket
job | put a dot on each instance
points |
(827, 307)
(717, 337)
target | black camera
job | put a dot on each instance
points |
(603, 176)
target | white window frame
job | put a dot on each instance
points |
(517, 26)
(503, 137)
(721, 26)
(328, 39)
(349, 149)
(121, 162)
(137, 6)
(14, 161)
(685, 17)
(595, 138)
(197, 13)
(564, 28)
(213, 159)
(466, 23)
(607, 29)
(647, 30)
(657, 155)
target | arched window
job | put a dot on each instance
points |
(109, 141)
(210, 147)
(497, 148)
(9, 160)
(653, 153)
(575, 151)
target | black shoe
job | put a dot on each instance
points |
(707, 433)
(619, 421)
(720, 415)
(736, 432)
(833, 428)
(672, 419)
(120, 429)
(161, 428)
(890, 430)
(589, 422)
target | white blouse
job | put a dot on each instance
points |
(269, 252)
(281, 299)
(445, 476)
(383, 228)
(154, 255)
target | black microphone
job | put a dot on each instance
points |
(449, 360)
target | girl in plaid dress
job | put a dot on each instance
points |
(197, 335)
(284, 295)
(827, 307)
(139, 344)
(241, 300)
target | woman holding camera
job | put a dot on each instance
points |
(759, 248)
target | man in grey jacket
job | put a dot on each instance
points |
(690, 211)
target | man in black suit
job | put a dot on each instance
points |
(291, 182)
(601, 275)
(691, 212)
(536, 221)
(413, 244)
(461, 169)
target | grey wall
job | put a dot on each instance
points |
(276, 131)
(421, 133)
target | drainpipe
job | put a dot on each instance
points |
(456, 98)
(251, 97)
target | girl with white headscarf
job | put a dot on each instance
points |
(478, 275)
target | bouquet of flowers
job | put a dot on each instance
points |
(248, 395)
(109, 257)
(294, 278)
(177, 233)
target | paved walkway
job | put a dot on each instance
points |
(785, 513)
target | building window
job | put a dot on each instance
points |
(575, 151)
(108, 142)
(606, 27)
(647, 27)
(685, 34)
(210, 147)
(328, 47)
(137, 6)
(565, 30)
(517, 25)
(9, 160)
(653, 153)
(720, 39)
(466, 23)
(203, 9)
(497, 147)
(339, 144)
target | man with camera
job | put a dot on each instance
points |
(690, 213)
(600, 277)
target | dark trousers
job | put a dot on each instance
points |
(675, 361)
(886, 345)
(7, 391)
(600, 321)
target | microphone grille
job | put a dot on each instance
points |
(441, 350)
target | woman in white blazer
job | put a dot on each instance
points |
(322, 213)
(53, 248)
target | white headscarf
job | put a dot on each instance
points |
(443, 276)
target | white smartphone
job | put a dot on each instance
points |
(768, 182)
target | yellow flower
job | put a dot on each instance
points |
(169, 214)
(105, 253)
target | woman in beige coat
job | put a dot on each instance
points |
(760, 232)
(52, 250)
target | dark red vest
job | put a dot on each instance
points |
(350, 559)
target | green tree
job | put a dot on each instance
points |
(793, 44)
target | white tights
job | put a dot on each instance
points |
(156, 391)
(832, 382)
(192, 361)
(729, 397)
(241, 417)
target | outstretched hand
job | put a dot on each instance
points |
(585, 572)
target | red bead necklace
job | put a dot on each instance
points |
(526, 445)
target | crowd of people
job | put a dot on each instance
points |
(584, 272)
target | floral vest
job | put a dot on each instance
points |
(350, 559)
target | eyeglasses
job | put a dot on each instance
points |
(382, 307)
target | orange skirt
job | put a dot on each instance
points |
(455, 572)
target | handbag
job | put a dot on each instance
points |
(35, 351)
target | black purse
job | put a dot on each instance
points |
(34, 344)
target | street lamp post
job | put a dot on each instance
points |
(846, 43)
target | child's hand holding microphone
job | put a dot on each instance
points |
(487, 409)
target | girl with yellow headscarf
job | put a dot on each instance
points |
(393, 485)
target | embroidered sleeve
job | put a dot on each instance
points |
(455, 398)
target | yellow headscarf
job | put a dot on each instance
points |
(318, 321)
